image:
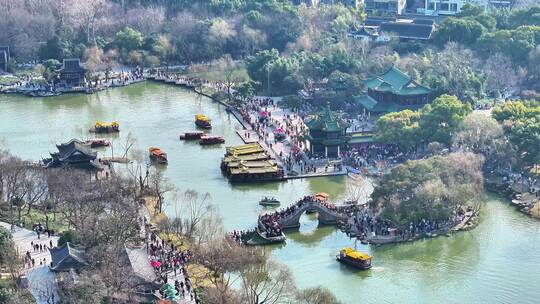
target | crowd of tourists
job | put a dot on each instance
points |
(37, 248)
(367, 225)
(374, 154)
(170, 261)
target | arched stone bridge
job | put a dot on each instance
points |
(326, 216)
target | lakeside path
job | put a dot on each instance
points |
(283, 119)
(41, 280)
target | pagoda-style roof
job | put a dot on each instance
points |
(73, 66)
(66, 257)
(327, 122)
(74, 147)
(397, 82)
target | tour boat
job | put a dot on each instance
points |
(105, 127)
(192, 135)
(98, 142)
(269, 201)
(43, 93)
(157, 155)
(211, 140)
(202, 121)
(354, 258)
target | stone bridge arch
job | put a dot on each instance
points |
(325, 215)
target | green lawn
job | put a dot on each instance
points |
(58, 223)
(214, 75)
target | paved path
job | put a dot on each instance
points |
(145, 258)
(41, 280)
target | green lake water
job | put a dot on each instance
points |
(498, 262)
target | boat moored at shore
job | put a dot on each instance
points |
(97, 142)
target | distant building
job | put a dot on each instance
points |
(385, 7)
(72, 74)
(74, 154)
(327, 134)
(393, 91)
(66, 258)
(350, 3)
(383, 30)
(453, 7)
(4, 58)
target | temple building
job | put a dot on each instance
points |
(393, 91)
(327, 134)
(74, 154)
(66, 258)
(4, 58)
(72, 74)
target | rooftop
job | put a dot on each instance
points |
(73, 66)
(397, 82)
(408, 30)
(327, 121)
(66, 257)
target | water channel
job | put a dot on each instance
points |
(498, 262)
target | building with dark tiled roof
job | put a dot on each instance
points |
(4, 58)
(72, 74)
(407, 30)
(74, 154)
(327, 133)
(393, 91)
(382, 29)
(65, 258)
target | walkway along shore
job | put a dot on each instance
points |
(199, 86)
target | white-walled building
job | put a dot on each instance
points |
(453, 7)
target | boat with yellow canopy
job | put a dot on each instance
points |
(106, 127)
(202, 121)
(354, 258)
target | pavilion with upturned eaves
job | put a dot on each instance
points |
(393, 91)
(327, 134)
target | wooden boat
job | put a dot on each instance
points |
(269, 201)
(157, 155)
(354, 258)
(211, 140)
(43, 93)
(105, 127)
(192, 135)
(98, 142)
(202, 121)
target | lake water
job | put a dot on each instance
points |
(498, 262)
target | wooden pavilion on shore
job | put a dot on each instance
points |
(327, 134)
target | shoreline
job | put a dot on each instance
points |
(516, 199)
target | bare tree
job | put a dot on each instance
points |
(159, 185)
(317, 295)
(227, 66)
(225, 259)
(197, 209)
(126, 145)
(502, 79)
(85, 14)
(267, 283)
